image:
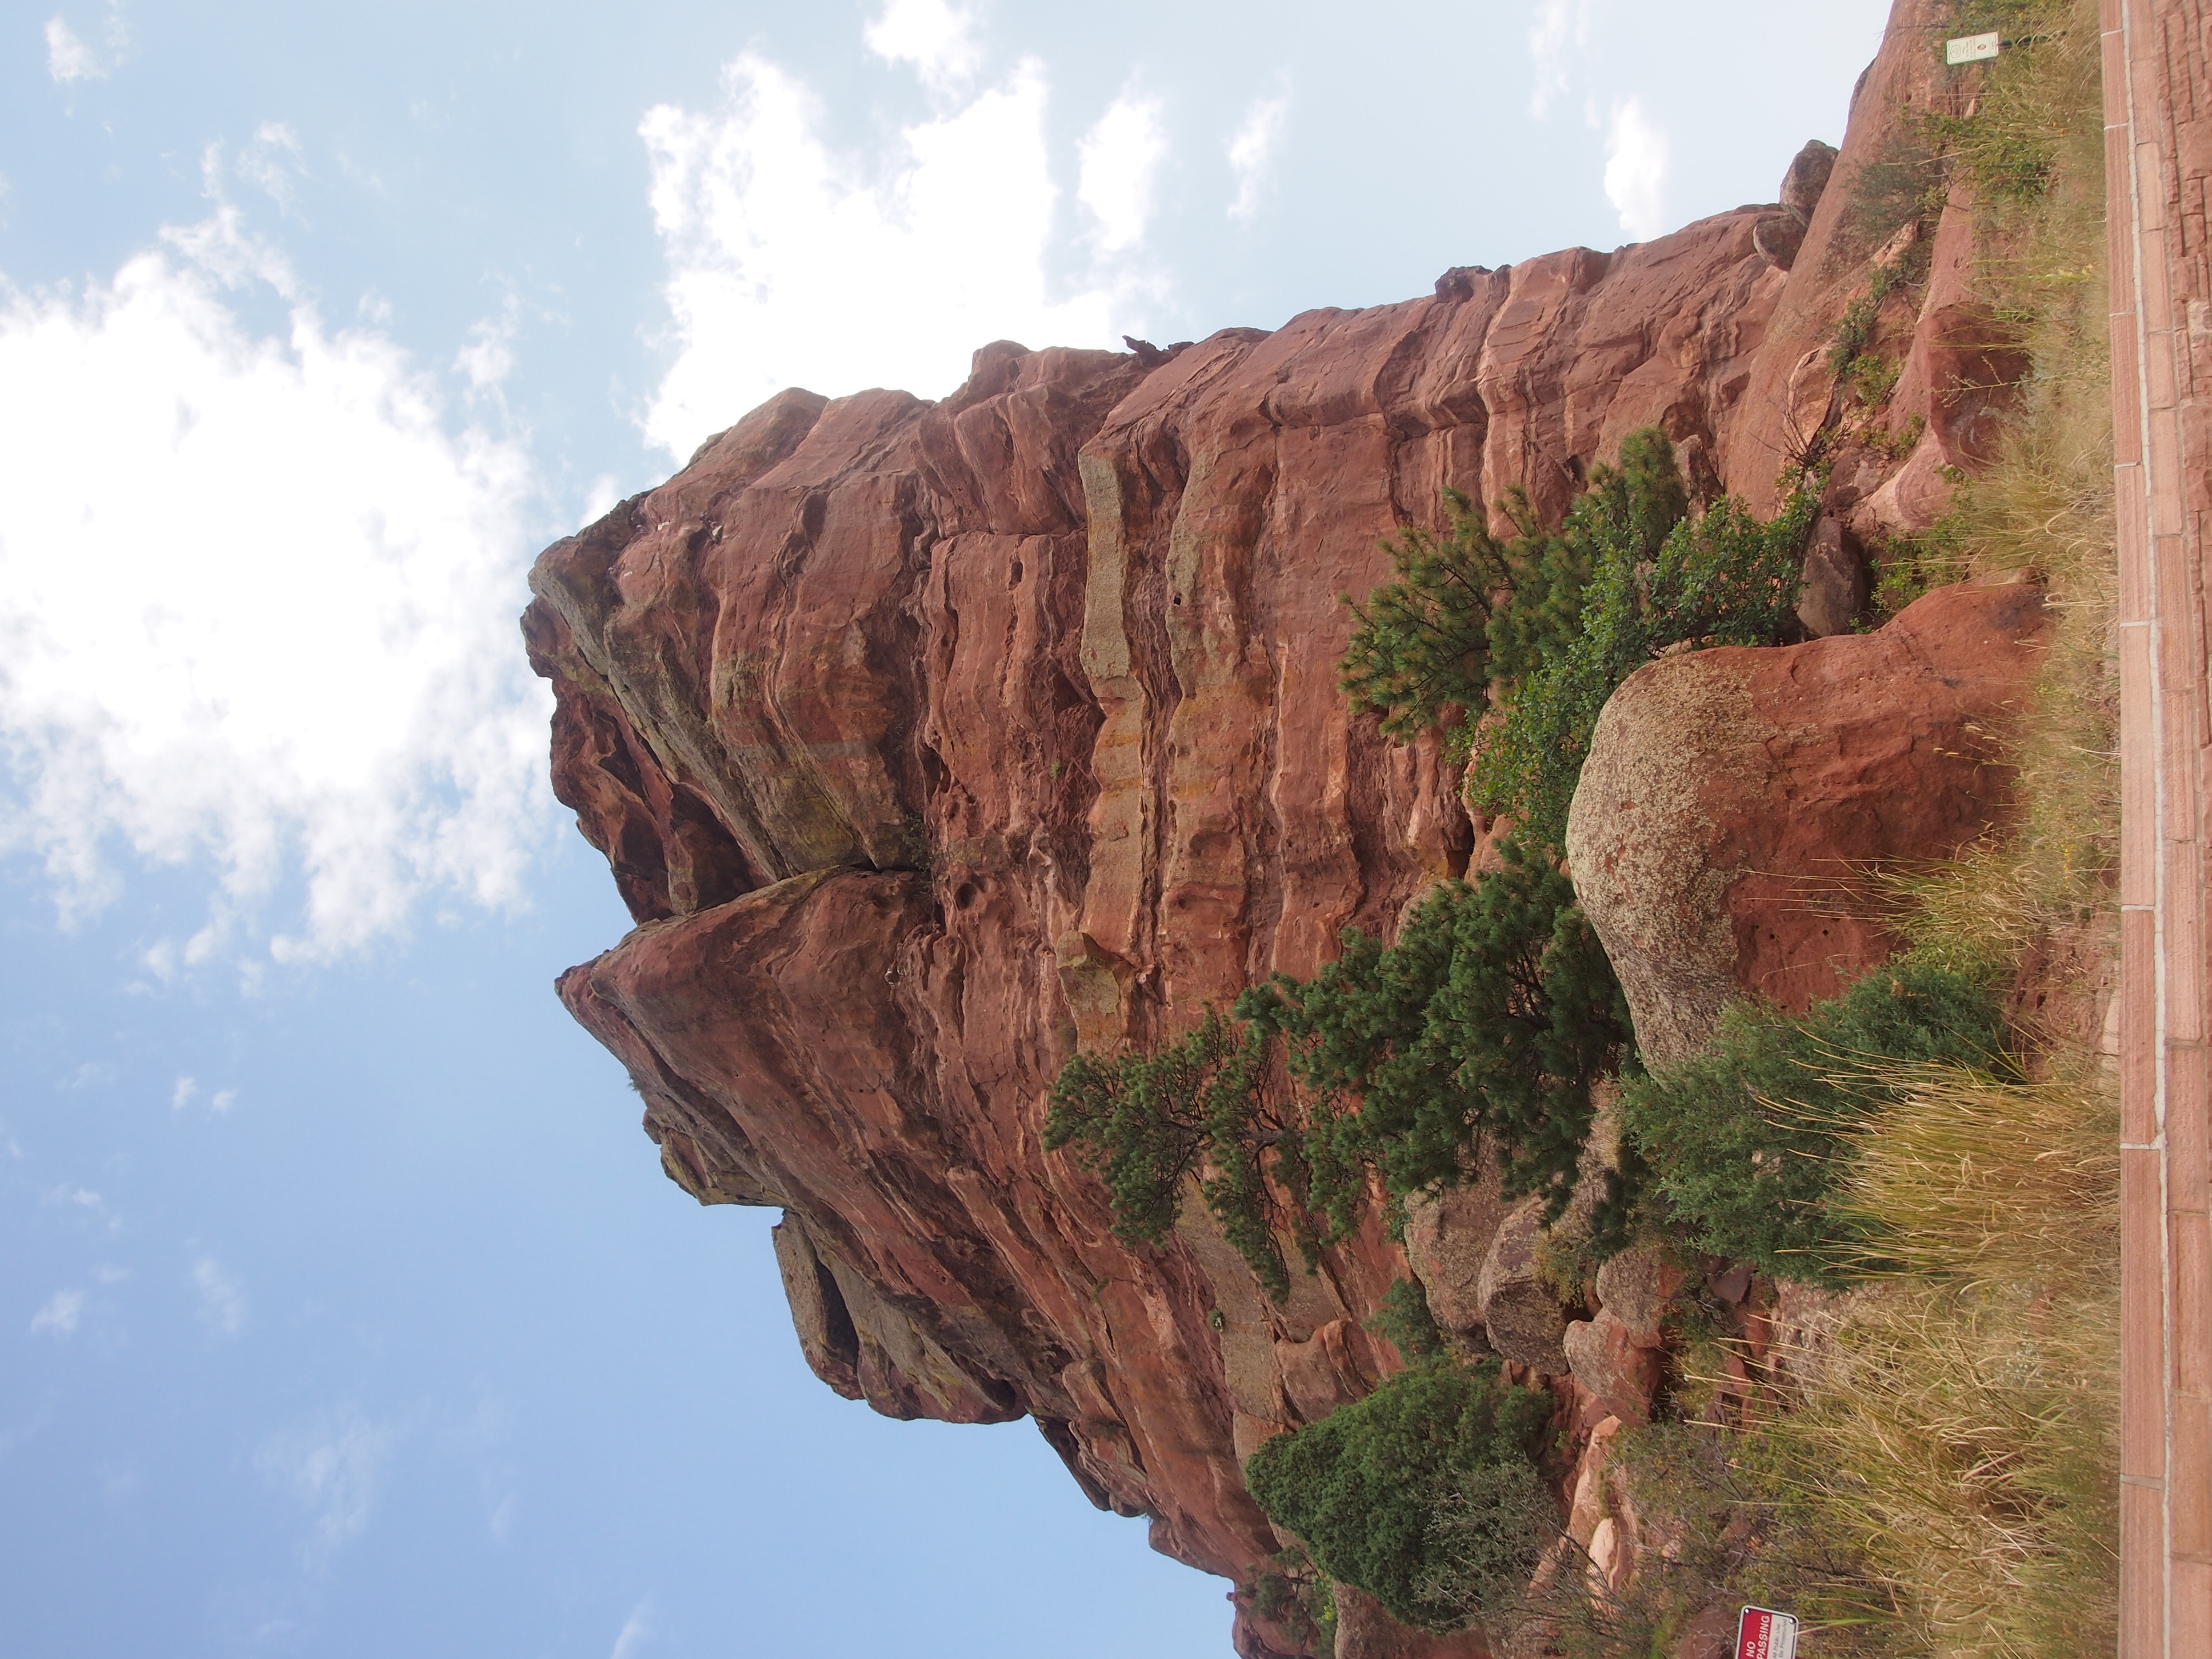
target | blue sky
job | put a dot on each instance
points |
(343, 1310)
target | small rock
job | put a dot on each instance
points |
(1709, 1635)
(1605, 1548)
(1807, 181)
(1834, 594)
(1732, 1286)
(1607, 1360)
(1331, 1368)
(1778, 237)
(1635, 1287)
(1586, 1492)
(1448, 1239)
(1519, 1310)
(1805, 1320)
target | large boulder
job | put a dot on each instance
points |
(1738, 802)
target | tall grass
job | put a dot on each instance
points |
(2046, 510)
(1961, 1425)
(1946, 1460)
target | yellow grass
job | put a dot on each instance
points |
(1949, 1449)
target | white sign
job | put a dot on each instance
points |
(1763, 1633)
(1972, 48)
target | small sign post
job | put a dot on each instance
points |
(1972, 48)
(1763, 1633)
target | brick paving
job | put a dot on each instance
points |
(2158, 134)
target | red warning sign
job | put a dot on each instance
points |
(1763, 1633)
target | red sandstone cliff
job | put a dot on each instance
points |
(929, 741)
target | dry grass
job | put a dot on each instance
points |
(2046, 511)
(1986, 1186)
(1963, 1434)
(1950, 1449)
(1961, 1426)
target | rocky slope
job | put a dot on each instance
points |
(928, 742)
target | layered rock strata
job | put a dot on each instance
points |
(928, 742)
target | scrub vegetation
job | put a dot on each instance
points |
(1482, 1032)
(1932, 1470)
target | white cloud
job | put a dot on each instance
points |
(937, 38)
(489, 358)
(183, 1094)
(1559, 24)
(1635, 171)
(222, 1301)
(1120, 158)
(792, 265)
(69, 60)
(272, 162)
(636, 1631)
(89, 1202)
(256, 603)
(334, 1469)
(61, 1315)
(599, 499)
(1252, 151)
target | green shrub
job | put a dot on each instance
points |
(1721, 579)
(1405, 1322)
(1483, 1027)
(1289, 1592)
(1422, 643)
(1907, 566)
(1543, 626)
(1489, 1531)
(1143, 1122)
(1745, 1143)
(1361, 1487)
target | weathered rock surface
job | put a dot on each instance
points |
(1735, 802)
(1636, 1287)
(1609, 1361)
(1364, 1631)
(1520, 1312)
(1332, 1367)
(1447, 1239)
(1836, 580)
(929, 741)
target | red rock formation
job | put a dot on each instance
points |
(1736, 802)
(927, 741)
